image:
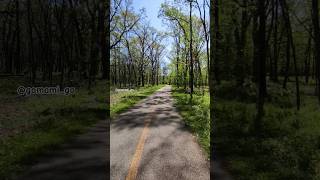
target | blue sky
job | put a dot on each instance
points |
(152, 8)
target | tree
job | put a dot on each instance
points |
(191, 50)
(214, 28)
(290, 43)
(216, 40)
(316, 32)
(261, 63)
(205, 28)
(241, 38)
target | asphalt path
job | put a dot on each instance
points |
(151, 142)
(83, 158)
(148, 142)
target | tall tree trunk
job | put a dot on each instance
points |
(191, 51)
(214, 24)
(316, 32)
(105, 51)
(103, 39)
(286, 75)
(255, 49)
(285, 11)
(307, 61)
(275, 44)
(17, 58)
(261, 64)
(178, 56)
(216, 40)
(186, 69)
(206, 33)
(31, 52)
(94, 51)
(241, 38)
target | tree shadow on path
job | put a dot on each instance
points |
(85, 157)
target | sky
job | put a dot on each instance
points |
(152, 8)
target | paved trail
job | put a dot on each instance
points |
(151, 142)
(84, 158)
(148, 142)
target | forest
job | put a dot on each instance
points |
(54, 42)
(159, 85)
(50, 43)
(244, 75)
(265, 88)
(136, 48)
(191, 54)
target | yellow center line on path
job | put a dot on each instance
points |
(133, 170)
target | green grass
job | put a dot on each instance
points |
(290, 144)
(35, 125)
(121, 101)
(196, 115)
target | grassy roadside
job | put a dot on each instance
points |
(196, 115)
(33, 125)
(121, 101)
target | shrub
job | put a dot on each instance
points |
(230, 91)
(283, 98)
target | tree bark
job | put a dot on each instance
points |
(261, 64)
(214, 24)
(316, 32)
(285, 11)
(191, 51)
(275, 44)
(216, 40)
